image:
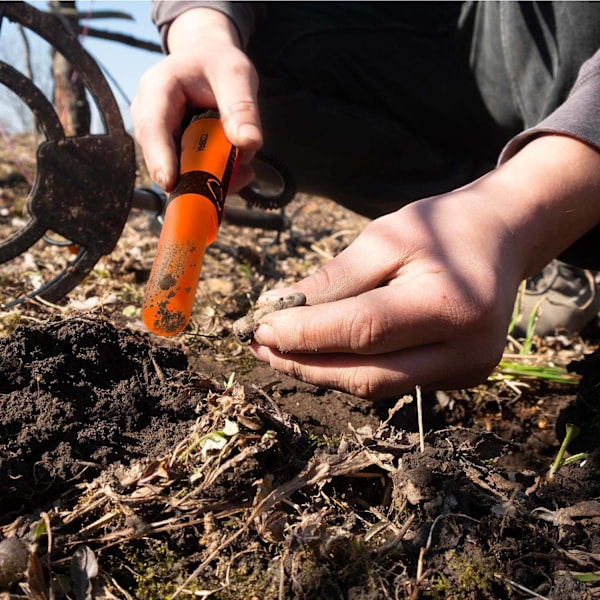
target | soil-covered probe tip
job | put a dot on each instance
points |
(192, 218)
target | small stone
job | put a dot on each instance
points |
(14, 557)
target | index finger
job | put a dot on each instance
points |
(367, 263)
(376, 322)
(157, 112)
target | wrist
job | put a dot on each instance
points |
(201, 25)
(548, 196)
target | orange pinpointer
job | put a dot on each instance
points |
(191, 222)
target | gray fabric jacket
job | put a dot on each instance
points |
(575, 112)
(578, 116)
(244, 15)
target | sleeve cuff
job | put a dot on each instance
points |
(578, 116)
(244, 15)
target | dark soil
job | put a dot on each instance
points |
(133, 466)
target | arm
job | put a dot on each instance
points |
(243, 15)
(431, 305)
(579, 117)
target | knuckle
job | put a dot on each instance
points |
(322, 279)
(469, 308)
(359, 383)
(232, 67)
(239, 108)
(152, 78)
(477, 364)
(479, 371)
(147, 78)
(141, 127)
(361, 389)
(367, 330)
(239, 65)
(293, 368)
(288, 366)
(486, 361)
(327, 284)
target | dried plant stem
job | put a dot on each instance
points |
(420, 418)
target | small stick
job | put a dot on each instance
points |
(244, 328)
(420, 418)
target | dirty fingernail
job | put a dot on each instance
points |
(264, 335)
(161, 179)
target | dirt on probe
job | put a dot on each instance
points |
(133, 466)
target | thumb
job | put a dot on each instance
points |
(242, 128)
(235, 85)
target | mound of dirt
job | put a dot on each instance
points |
(78, 395)
(127, 474)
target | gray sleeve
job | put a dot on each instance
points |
(578, 116)
(244, 15)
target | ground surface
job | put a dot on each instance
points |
(133, 466)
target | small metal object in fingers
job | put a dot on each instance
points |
(244, 328)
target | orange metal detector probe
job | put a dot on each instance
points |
(192, 218)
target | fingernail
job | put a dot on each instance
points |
(160, 179)
(260, 352)
(264, 335)
(249, 132)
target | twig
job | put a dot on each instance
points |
(159, 371)
(427, 546)
(281, 591)
(126, 594)
(389, 546)
(310, 475)
(46, 519)
(522, 588)
(322, 253)
(420, 418)
(122, 38)
(420, 563)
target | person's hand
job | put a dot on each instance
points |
(205, 69)
(424, 296)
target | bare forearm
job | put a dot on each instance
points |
(548, 194)
(201, 25)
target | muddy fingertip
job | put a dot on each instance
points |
(245, 327)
